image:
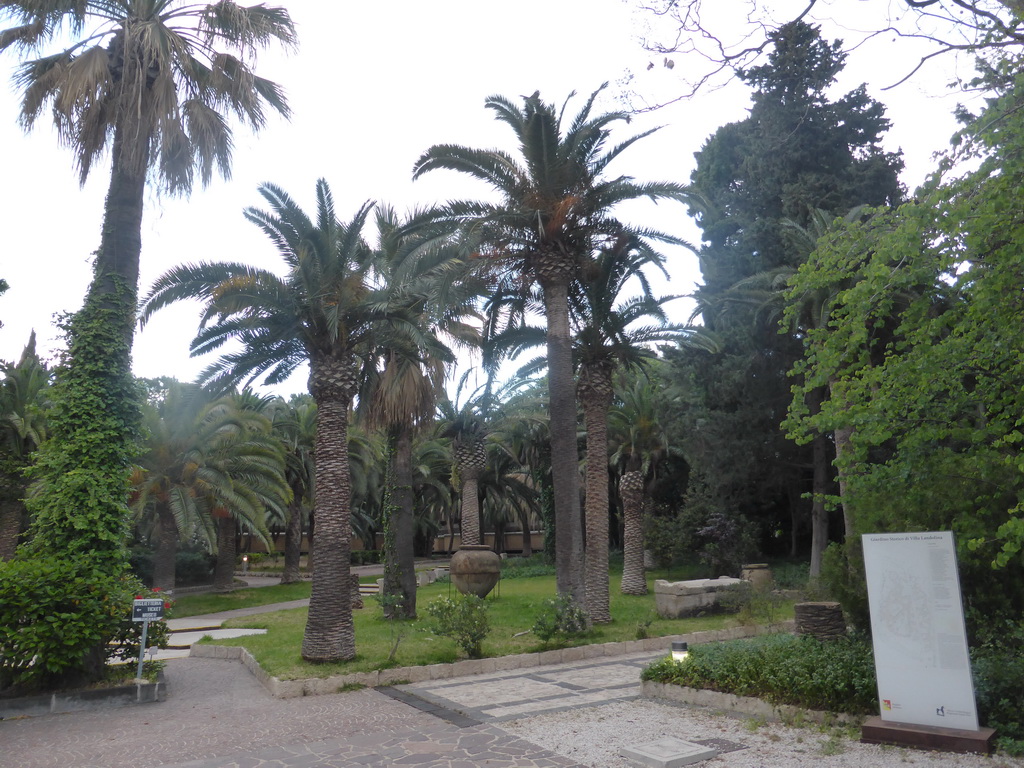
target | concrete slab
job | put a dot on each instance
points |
(668, 752)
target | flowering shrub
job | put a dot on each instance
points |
(62, 620)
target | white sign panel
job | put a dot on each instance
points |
(917, 626)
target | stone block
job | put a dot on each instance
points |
(668, 752)
(574, 654)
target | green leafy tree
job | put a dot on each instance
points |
(148, 79)
(326, 312)
(761, 180)
(554, 210)
(923, 361)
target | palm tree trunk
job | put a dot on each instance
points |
(330, 633)
(98, 380)
(10, 527)
(400, 562)
(469, 525)
(224, 570)
(631, 487)
(595, 392)
(293, 545)
(524, 522)
(564, 452)
(166, 549)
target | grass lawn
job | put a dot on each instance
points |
(194, 605)
(513, 608)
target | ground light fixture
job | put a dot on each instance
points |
(680, 651)
(245, 563)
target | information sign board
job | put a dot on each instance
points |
(147, 609)
(917, 624)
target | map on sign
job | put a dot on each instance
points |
(147, 609)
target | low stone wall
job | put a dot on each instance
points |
(287, 689)
(745, 705)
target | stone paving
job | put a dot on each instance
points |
(537, 690)
(216, 714)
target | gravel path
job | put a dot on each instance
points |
(593, 737)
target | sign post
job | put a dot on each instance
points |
(146, 610)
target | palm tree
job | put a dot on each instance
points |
(294, 424)
(324, 312)
(555, 209)
(610, 337)
(640, 444)
(23, 393)
(403, 387)
(466, 427)
(150, 80)
(208, 464)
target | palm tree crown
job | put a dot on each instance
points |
(150, 75)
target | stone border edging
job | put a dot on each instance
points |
(744, 705)
(315, 686)
(73, 701)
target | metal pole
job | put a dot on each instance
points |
(142, 648)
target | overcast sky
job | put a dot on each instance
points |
(371, 86)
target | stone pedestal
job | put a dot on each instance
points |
(821, 620)
(758, 574)
(678, 599)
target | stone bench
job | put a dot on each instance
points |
(678, 599)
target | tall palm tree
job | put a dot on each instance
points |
(208, 463)
(324, 311)
(640, 443)
(403, 386)
(555, 208)
(23, 405)
(151, 80)
(612, 333)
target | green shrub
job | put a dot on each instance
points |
(837, 676)
(998, 665)
(560, 617)
(365, 556)
(464, 620)
(62, 620)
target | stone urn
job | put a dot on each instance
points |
(475, 569)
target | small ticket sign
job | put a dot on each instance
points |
(147, 609)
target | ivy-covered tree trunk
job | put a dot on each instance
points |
(819, 489)
(83, 467)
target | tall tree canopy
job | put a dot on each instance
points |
(797, 152)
